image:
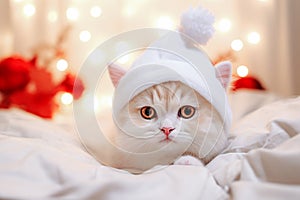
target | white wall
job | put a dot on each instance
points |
(6, 40)
(293, 11)
(274, 60)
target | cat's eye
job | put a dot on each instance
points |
(186, 112)
(148, 112)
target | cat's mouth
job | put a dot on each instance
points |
(166, 140)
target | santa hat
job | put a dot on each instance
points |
(178, 57)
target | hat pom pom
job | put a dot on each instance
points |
(198, 24)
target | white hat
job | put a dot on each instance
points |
(177, 57)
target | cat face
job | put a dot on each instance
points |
(170, 118)
(165, 121)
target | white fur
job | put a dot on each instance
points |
(198, 24)
(188, 160)
(201, 136)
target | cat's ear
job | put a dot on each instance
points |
(223, 72)
(116, 73)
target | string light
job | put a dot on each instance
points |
(165, 22)
(85, 36)
(237, 45)
(95, 11)
(224, 25)
(72, 14)
(29, 10)
(52, 16)
(62, 65)
(129, 11)
(66, 98)
(253, 38)
(242, 71)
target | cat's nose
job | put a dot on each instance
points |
(167, 130)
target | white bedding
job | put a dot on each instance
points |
(39, 159)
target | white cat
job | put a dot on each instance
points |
(168, 123)
(170, 106)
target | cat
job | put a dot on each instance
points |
(171, 119)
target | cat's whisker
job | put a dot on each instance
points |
(140, 145)
(130, 144)
(146, 146)
(128, 138)
(184, 135)
(153, 133)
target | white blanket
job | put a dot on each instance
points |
(39, 159)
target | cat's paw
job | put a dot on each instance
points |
(188, 160)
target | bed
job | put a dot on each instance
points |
(44, 159)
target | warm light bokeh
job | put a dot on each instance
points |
(242, 71)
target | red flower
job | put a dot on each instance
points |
(14, 74)
(72, 85)
(42, 80)
(25, 85)
(39, 104)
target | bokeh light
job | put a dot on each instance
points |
(66, 98)
(242, 71)
(165, 22)
(237, 45)
(72, 14)
(62, 65)
(224, 25)
(85, 36)
(29, 10)
(96, 11)
(253, 38)
(52, 16)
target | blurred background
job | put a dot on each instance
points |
(260, 37)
